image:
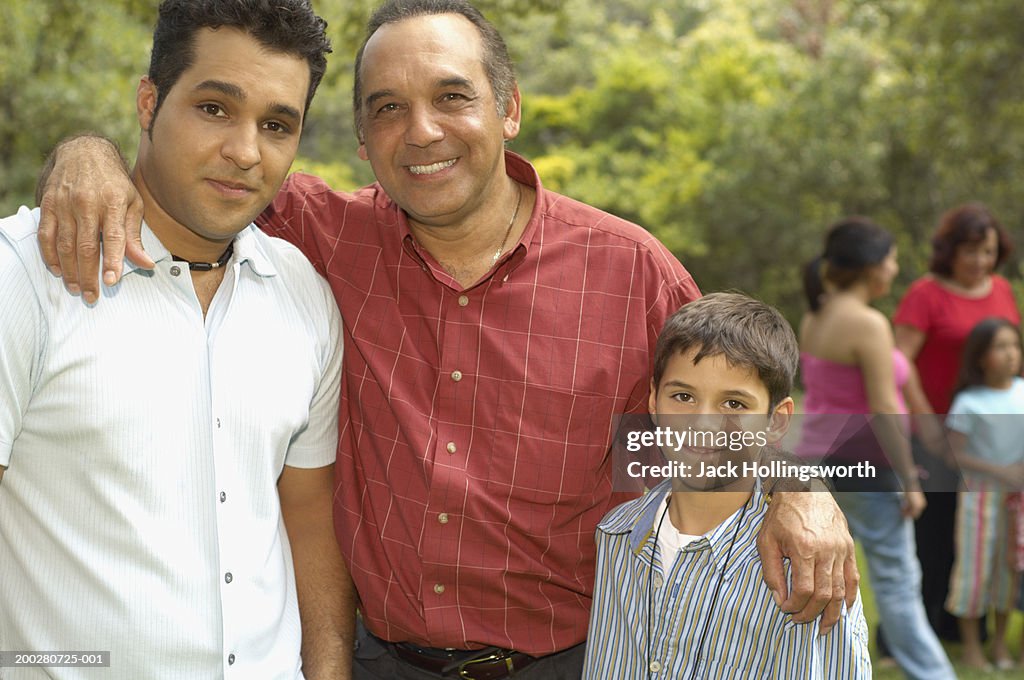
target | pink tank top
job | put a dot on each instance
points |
(834, 390)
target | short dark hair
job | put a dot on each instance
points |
(496, 61)
(978, 342)
(966, 223)
(288, 26)
(852, 245)
(747, 332)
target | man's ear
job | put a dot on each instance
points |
(778, 420)
(145, 102)
(513, 115)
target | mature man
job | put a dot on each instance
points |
(492, 329)
(149, 452)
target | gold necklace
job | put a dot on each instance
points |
(508, 230)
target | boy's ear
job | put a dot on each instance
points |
(778, 420)
(652, 400)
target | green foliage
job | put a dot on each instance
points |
(735, 130)
(738, 131)
(65, 67)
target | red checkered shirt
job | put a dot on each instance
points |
(473, 465)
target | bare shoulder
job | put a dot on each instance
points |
(873, 320)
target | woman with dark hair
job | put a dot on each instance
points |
(854, 380)
(931, 324)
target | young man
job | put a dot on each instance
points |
(493, 329)
(679, 591)
(150, 455)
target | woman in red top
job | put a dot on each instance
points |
(931, 324)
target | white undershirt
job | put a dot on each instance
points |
(671, 541)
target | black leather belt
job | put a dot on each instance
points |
(491, 663)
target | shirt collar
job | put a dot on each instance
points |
(639, 523)
(251, 247)
(248, 248)
(153, 247)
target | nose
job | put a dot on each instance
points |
(708, 420)
(423, 128)
(241, 146)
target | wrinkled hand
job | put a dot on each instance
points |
(913, 503)
(86, 194)
(809, 529)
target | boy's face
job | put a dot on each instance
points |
(717, 397)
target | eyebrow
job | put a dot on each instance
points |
(463, 83)
(377, 96)
(456, 82)
(728, 393)
(229, 89)
(235, 92)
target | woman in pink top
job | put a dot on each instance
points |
(932, 322)
(853, 373)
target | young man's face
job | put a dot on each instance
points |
(713, 396)
(431, 126)
(221, 144)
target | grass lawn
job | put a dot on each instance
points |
(952, 649)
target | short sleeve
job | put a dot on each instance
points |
(316, 446)
(668, 286)
(961, 416)
(915, 309)
(22, 338)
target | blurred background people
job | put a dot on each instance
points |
(851, 366)
(931, 325)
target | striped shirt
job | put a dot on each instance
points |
(473, 464)
(139, 513)
(747, 636)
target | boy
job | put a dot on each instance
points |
(679, 592)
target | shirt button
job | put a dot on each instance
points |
(456, 376)
(443, 518)
(439, 588)
(658, 581)
(223, 496)
(231, 659)
(655, 667)
(175, 270)
(218, 423)
(228, 578)
(463, 301)
(451, 447)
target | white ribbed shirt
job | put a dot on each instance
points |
(139, 512)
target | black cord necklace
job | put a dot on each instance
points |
(207, 266)
(714, 594)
